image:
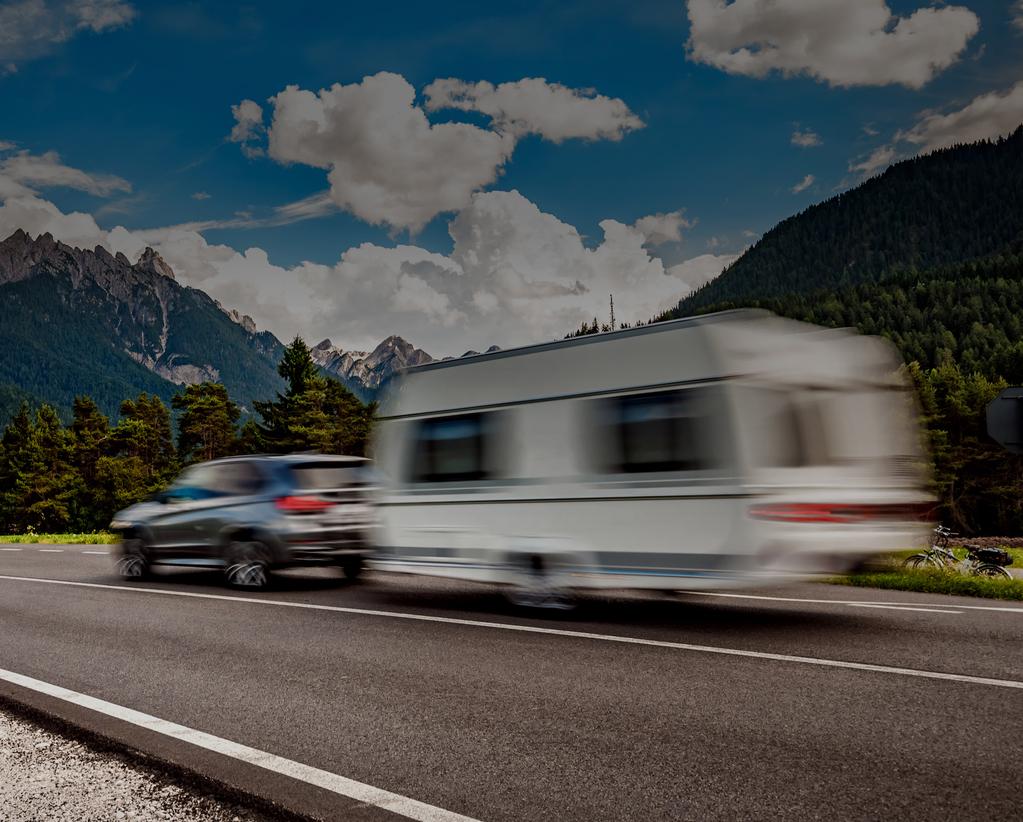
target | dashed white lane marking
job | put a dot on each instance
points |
(534, 629)
(97, 553)
(903, 606)
(51, 550)
(12, 549)
(358, 791)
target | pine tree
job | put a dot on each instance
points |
(315, 412)
(207, 424)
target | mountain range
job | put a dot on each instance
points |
(929, 253)
(79, 321)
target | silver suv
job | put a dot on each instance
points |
(251, 515)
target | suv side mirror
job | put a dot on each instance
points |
(1005, 420)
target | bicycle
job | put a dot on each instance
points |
(979, 562)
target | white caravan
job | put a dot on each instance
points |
(730, 449)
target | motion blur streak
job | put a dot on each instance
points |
(717, 451)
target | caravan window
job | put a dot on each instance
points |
(658, 432)
(450, 449)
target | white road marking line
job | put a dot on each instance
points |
(359, 791)
(863, 603)
(97, 553)
(12, 549)
(51, 550)
(533, 629)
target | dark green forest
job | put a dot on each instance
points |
(941, 209)
(57, 477)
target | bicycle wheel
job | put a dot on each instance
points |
(989, 569)
(919, 561)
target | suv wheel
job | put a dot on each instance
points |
(352, 567)
(133, 564)
(248, 565)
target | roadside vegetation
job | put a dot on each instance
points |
(935, 581)
(96, 538)
(63, 483)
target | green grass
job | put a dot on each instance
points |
(99, 538)
(934, 581)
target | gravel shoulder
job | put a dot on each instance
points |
(47, 776)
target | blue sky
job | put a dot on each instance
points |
(142, 93)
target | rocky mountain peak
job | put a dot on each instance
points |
(153, 263)
(364, 372)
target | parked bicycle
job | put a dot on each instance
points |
(980, 562)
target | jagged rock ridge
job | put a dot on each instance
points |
(83, 321)
(364, 371)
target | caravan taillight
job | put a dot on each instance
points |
(839, 512)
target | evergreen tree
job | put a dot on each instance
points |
(315, 412)
(144, 433)
(15, 465)
(90, 433)
(38, 483)
(207, 424)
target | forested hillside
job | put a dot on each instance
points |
(945, 208)
(970, 314)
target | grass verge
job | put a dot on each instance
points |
(936, 582)
(98, 538)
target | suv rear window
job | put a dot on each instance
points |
(321, 476)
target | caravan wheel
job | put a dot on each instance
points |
(537, 586)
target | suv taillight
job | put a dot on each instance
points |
(303, 505)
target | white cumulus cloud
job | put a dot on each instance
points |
(660, 229)
(534, 106)
(987, 116)
(840, 42)
(515, 275)
(388, 164)
(248, 127)
(34, 28)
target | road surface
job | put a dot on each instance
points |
(404, 697)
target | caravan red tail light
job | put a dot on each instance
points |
(303, 505)
(838, 512)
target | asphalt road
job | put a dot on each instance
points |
(484, 711)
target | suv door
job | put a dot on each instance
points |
(175, 530)
(238, 484)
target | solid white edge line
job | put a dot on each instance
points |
(922, 610)
(534, 629)
(341, 785)
(860, 602)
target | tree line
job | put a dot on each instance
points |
(57, 478)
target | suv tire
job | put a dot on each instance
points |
(352, 567)
(247, 566)
(133, 564)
